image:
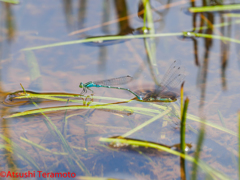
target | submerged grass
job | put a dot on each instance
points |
(12, 147)
(156, 113)
(160, 111)
(42, 148)
(101, 105)
(239, 144)
(65, 145)
(201, 164)
(59, 137)
(221, 118)
(197, 152)
(147, 122)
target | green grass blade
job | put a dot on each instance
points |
(34, 70)
(102, 39)
(221, 118)
(149, 43)
(238, 145)
(223, 38)
(145, 111)
(197, 119)
(10, 1)
(232, 15)
(215, 8)
(134, 37)
(65, 123)
(57, 97)
(74, 107)
(181, 98)
(217, 25)
(183, 126)
(197, 152)
(20, 152)
(66, 145)
(146, 123)
(41, 147)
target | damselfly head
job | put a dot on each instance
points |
(81, 85)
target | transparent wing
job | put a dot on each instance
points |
(115, 81)
(174, 76)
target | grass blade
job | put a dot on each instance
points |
(41, 147)
(215, 8)
(146, 123)
(10, 1)
(197, 153)
(66, 145)
(221, 118)
(183, 126)
(14, 148)
(101, 39)
(223, 38)
(238, 145)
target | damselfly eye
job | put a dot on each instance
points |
(81, 85)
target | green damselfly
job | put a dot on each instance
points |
(109, 83)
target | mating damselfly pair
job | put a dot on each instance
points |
(165, 92)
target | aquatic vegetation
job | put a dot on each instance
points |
(60, 131)
(102, 43)
(131, 144)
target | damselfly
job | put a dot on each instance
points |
(109, 83)
(168, 89)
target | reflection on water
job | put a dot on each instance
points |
(157, 14)
(9, 19)
(137, 31)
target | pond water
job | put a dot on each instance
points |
(49, 47)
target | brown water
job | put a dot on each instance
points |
(211, 68)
